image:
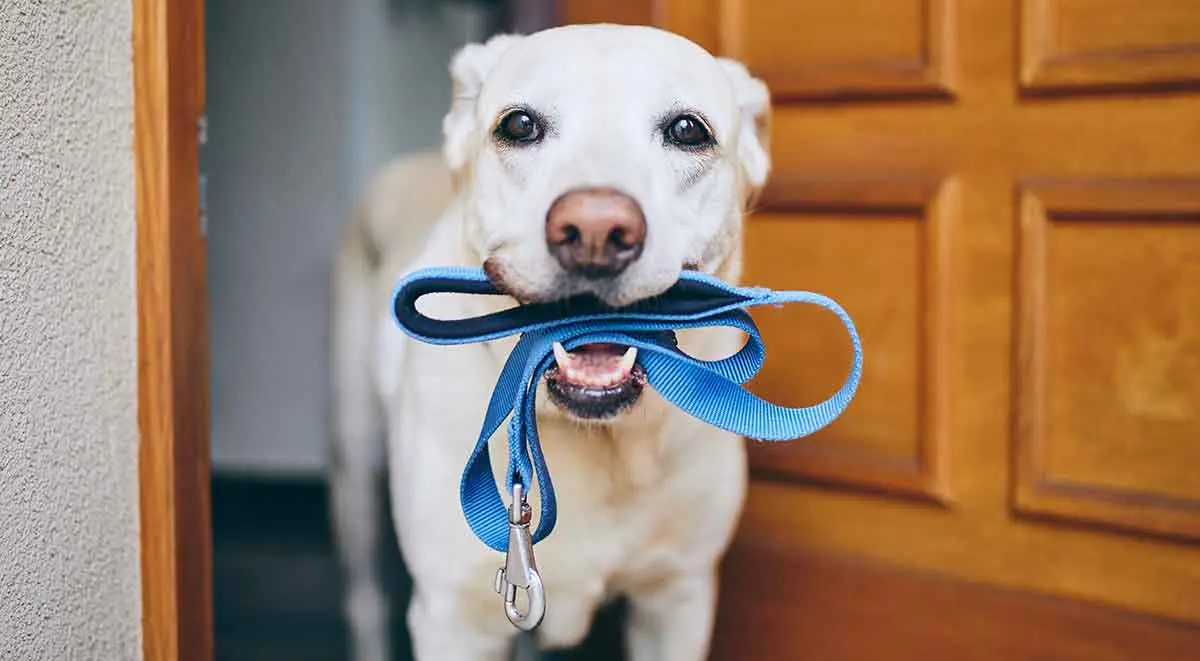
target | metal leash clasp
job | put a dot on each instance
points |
(520, 569)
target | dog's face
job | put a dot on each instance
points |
(602, 160)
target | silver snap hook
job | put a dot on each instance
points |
(520, 569)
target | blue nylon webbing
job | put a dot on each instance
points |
(709, 390)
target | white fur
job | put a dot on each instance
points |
(647, 501)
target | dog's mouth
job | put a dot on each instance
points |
(595, 381)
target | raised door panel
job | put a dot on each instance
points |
(848, 48)
(878, 248)
(1108, 355)
(1074, 44)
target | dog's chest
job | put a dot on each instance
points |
(639, 504)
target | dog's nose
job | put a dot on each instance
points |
(595, 232)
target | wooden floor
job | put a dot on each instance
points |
(277, 584)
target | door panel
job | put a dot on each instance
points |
(1106, 427)
(892, 47)
(1006, 197)
(891, 440)
(1071, 44)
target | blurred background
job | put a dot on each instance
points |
(306, 98)
(1006, 197)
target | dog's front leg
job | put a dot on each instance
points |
(672, 620)
(441, 632)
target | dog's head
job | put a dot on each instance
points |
(602, 160)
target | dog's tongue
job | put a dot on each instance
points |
(595, 365)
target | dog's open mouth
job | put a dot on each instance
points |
(595, 381)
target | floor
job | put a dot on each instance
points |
(277, 584)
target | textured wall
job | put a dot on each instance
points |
(69, 585)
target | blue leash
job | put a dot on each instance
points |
(709, 390)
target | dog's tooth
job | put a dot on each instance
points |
(627, 360)
(562, 358)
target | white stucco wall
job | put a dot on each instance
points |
(69, 585)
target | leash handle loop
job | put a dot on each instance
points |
(710, 390)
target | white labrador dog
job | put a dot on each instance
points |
(587, 159)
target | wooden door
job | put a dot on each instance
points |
(1006, 197)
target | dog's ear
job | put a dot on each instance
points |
(468, 69)
(754, 99)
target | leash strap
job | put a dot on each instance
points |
(709, 390)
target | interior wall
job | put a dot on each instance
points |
(69, 574)
(305, 99)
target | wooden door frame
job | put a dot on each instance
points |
(173, 366)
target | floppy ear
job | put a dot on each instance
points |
(468, 70)
(754, 99)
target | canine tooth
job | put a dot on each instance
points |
(562, 358)
(626, 364)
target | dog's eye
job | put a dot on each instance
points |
(689, 132)
(519, 126)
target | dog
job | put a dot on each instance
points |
(599, 160)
